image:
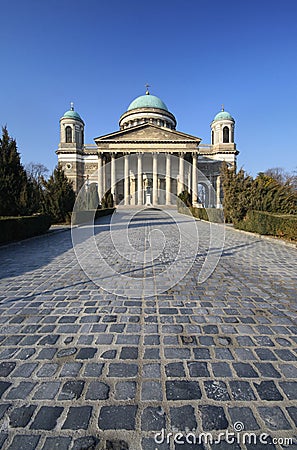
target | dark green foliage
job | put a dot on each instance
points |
(186, 198)
(59, 196)
(15, 228)
(242, 193)
(209, 214)
(13, 178)
(282, 225)
(107, 200)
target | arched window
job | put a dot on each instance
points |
(68, 134)
(225, 134)
(212, 137)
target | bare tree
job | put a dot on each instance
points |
(36, 171)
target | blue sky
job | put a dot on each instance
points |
(195, 54)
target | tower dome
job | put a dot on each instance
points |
(222, 128)
(147, 109)
(71, 114)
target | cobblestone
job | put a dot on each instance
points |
(81, 368)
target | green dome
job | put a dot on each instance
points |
(223, 115)
(71, 114)
(147, 101)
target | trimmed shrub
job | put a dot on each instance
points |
(281, 225)
(16, 228)
(208, 214)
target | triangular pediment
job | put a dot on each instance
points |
(147, 133)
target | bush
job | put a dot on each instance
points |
(281, 225)
(16, 228)
(209, 214)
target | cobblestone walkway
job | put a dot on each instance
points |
(81, 368)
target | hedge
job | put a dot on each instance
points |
(209, 214)
(280, 225)
(16, 228)
(80, 217)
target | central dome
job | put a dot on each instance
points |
(147, 101)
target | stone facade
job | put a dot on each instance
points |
(148, 162)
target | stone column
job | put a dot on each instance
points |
(100, 178)
(181, 173)
(168, 181)
(218, 191)
(155, 179)
(139, 180)
(103, 176)
(194, 180)
(126, 180)
(113, 175)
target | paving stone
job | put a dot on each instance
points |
(6, 368)
(20, 417)
(117, 417)
(221, 369)
(24, 442)
(86, 443)
(149, 444)
(78, 417)
(267, 370)
(86, 353)
(24, 370)
(46, 353)
(152, 340)
(97, 390)
(223, 353)
(290, 389)
(129, 353)
(265, 354)
(261, 446)
(50, 339)
(213, 418)
(198, 369)
(182, 390)
(58, 443)
(245, 416)
(151, 353)
(183, 418)
(125, 390)
(109, 354)
(175, 369)
(47, 370)
(152, 370)
(151, 390)
(46, 418)
(21, 391)
(93, 369)
(3, 408)
(70, 369)
(3, 437)
(216, 390)
(273, 418)
(223, 445)
(268, 391)
(241, 390)
(245, 370)
(47, 390)
(66, 352)
(104, 339)
(201, 353)
(71, 390)
(153, 419)
(292, 410)
(122, 370)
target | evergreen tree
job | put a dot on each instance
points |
(13, 179)
(59, 196)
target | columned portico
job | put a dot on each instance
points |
(113, 174)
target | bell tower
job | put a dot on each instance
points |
(222, 136)
(71, 146)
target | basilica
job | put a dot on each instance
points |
(148, 161)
